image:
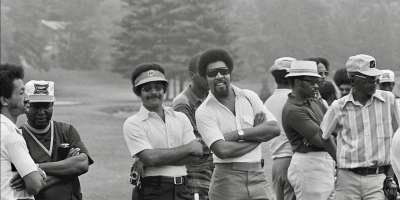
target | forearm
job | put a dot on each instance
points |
(261, 133)
(158, 157)
(75, 165)
(231, 149)
(51, 180)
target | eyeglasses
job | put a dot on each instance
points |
(214, 73)
(369, 79)
(149, 87)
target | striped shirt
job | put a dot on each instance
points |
(364, 131)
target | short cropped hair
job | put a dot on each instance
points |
(214, 55)
(194, 64)
(279, 76)
(341, 77)
(142, 68)
(9, 73)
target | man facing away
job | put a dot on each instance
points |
(281, 149)
(15, 158)
(364, 121)
(187, 102)
(55, 146)
(160, 137)
(233, 122)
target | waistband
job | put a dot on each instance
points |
(164, 179)
(368, 170)
(241, 166)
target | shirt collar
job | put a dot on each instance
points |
(145, 114)
(350, 98)
(4, 119)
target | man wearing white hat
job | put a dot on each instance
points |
(386, 80)
(55, 146)
(281, 149)
(364, 121)
(312, 168)
(160, 137)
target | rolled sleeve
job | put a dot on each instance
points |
(330, 120)
(135, 138)
(208, 127)
(19, 156)
(76, 141)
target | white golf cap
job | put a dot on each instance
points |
(40, 91)
(386, 76)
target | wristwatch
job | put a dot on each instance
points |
(241, 134)
(41, 172)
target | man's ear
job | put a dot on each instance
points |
(4, 101)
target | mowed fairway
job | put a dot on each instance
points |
(97, 103)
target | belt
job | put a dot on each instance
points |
(369, 170)
(164, 179)
(242, 166)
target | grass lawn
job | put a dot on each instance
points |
(103, 102)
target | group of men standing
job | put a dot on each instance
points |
(319, 151)
(42, 159)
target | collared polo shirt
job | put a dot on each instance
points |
(146, 130)
(213, 119)
(280, 146)
(364, 131)
(301, 121)
(13, 151)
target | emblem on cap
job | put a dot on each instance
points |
(150, 73)
(41, 89)
(372, 64)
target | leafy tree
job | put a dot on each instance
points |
(169, 32)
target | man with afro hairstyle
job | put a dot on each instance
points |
(233, 122)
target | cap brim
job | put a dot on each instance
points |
(302, 74)
(372, 72)
(40, 98)
(151, 79)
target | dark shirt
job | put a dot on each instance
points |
(69, 188)
(301, 122)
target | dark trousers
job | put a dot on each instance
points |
(159, 190)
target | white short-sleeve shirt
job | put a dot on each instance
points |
(146, 130)
(213, 119)
(13, 151)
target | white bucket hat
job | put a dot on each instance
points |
(303, 68)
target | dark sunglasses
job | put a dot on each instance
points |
(149, 87)
(370, 79)
(214, 73)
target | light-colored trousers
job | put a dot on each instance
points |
(352, 186)
(312, 175)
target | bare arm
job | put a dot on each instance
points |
(261, 132)
(34, 182)
(230, 149)
(75, 165)
(330, 146)
(171, 156)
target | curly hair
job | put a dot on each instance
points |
(139, 69)
(214, 55)
(9, 73)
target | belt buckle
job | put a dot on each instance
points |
(178, 180)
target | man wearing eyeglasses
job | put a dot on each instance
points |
(160, 137)
(233, 122)
(312, 168)
(364, 121)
